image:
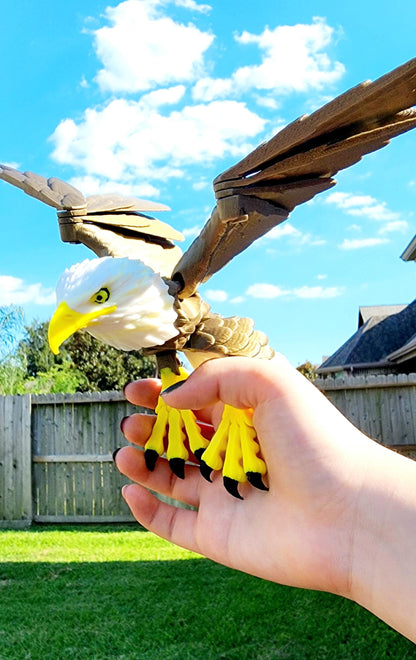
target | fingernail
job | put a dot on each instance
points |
(125, 386)
(124, 489)
(172, 388)
(115, 452)
(122, 423)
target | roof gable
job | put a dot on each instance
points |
(376, 338)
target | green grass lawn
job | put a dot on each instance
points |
(119, 592)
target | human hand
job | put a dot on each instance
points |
(301, 531)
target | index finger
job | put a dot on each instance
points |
(143, 392)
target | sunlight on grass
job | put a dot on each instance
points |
(91, 544)
(101, 592)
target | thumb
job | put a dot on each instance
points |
(239, 382)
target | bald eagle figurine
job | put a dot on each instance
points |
(142, 293)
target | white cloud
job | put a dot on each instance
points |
(361, 206)
(318, 292)
(12, 164)
(216, 295)
(265, 290)
(191, 232)
(135, 144)
(201, 185)
(269, 291)
(165, 96)
(293, 58)
(143, 47)
(14, 291)
(284, 229)
(267, 102)
(358, 243)
(191, 4)
(395, 225)
(93, 185)
(128, 141)
(287, 230)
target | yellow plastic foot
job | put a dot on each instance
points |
(171, 430)
(234, 448)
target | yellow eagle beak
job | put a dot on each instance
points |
(66, 321)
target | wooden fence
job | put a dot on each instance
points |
(56, 458)
(382, 406)
(56, 450)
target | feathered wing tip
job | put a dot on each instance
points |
(357, 122)
(52, 191)
(64, 197)
(109, 224)
(299, 162)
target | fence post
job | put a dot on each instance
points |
(15, 461)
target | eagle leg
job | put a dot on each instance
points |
(234, 448)
(173, 427)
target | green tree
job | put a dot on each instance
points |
(11, 323)
(83, 363)
(12, 376)
(65, 378)
(12, 371)
(105, 367)
(308, 369)
(34, 349)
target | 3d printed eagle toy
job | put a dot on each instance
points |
(142, 292)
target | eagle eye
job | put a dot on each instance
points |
(101, 296)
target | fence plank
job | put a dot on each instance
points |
(15, 461)
(73, 440)
(382, 406)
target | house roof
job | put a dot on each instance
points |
(410, 252)
(381, 338)
(406, 352)
(370, 311)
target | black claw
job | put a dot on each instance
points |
(150, 457)
(177, 465)
(254, 478)
(198, 453)
(205, 471)
(231, 486)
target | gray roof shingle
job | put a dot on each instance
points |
(380, 334)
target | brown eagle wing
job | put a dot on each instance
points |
(110, 224)
(299, 162)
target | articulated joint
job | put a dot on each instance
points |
(69, 221)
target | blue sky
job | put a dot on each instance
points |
(156, 97)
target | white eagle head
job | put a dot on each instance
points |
(122, 302)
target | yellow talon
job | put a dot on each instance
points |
(197, 442)
(176, 436)
(156, 440)
(171, 429)
(234, 447)
(233, 468)
(250, 447)
(213, 455)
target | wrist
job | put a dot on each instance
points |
(382, 573)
